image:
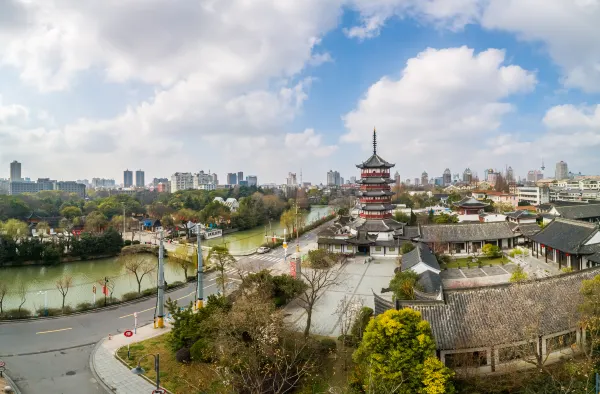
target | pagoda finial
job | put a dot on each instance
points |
(374, 141)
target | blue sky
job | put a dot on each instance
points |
(87, 90)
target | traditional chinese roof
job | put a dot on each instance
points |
(528, 229)
(430, 281)
(566, 235)
(377, 225)
(470, 202)
(421, 253)
(377, 207)
(373, 181)
(375, 193)
(465, 232)
(579, 212)
(521, 214)
(362, 239)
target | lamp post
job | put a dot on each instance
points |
(199, 285)
(160, 322)
(140, 371)
(45, 293)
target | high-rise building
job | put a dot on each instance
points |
(182, 181)
(333, 178)
(215, 178)
(156, 181)
(510, 175)
(424, 178)
(397, 178)
(252, 180)
(562, 171)
(291, 180)
(447, 177)
(232, 178)
(353, 179)
(407, 182)
(103, 183)
(127, 178)
(15, 171)
(467, 175)
(534, 175)
(203, 181)
(417, 182)
(240, 176)
(139, 178)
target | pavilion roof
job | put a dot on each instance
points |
(566, 235)
(470, 202)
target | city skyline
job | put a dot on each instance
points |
(310, 100)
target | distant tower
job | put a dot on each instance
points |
(447, 177)
(15, 171)
(543, 167)
(424, 178)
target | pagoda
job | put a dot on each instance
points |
(375, 193)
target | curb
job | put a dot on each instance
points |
(95, 310)
(11, 383)
(92, 365)
(147, 379)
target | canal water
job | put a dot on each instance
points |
(87, 274)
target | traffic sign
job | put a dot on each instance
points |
(2, 363)
(285, 245)
(128, 333)
(94, 289)
(159, 391)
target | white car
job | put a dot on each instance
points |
(263, 249)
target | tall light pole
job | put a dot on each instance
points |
(199, 285)
(140, 371)
(160, 313)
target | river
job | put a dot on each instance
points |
(86, 274)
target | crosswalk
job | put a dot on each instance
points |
(266, 257)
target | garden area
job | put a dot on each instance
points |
(489, 255)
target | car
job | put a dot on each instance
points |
(263, 249)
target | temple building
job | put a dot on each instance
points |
(373, 231)
(470, 206)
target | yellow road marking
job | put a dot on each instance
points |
(47, 332)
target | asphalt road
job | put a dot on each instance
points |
(52, 355)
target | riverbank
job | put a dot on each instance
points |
(64, 260)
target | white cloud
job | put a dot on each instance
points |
(441, 110)
(307, 144)
(452, 14)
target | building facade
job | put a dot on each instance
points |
(103, 183)
(447, 177)
(535, 195)
(291, 180)
(140, 178)
(15, 171)
(127, 178)
(232, 178)
(467, 175)
(182, 181)
(252, 180)
(424, 178)
(562, 171)
(333, 178)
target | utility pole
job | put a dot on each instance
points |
(160, 322)
(124, 220)
(199, 287)
(297, 230)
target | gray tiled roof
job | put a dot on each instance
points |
(375, 161)
(379, 225)
(421, 253)
(503, 314)
(430, 281)
(377, 207)
(375, 193)
(521, 214)
(373, 181)
(331, 241)
(411, 232)
(579, 211)
(465, 232)
(565, 235)
(470, 202)
(529, 229)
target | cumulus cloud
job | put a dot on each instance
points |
(442, 108)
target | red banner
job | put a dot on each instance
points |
(104, 290)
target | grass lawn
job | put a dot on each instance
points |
(465, 261)
(196, 378)
(175, 377)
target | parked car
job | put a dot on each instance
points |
(263, 249)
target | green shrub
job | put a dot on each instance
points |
(149, 292)
(84, 306)
(201, 351)
(407, 247)
(183, 355)
(127, 242)
(174, 284)
(136, 242)
(50, 312)
(359, 325)
(109, 301)
(348, 340)
(16, 314)
(132, 295)
(327, 346)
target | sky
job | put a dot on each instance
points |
(91, 88)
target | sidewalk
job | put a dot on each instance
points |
(6, 381)
(109, 371)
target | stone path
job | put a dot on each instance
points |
(116, 377)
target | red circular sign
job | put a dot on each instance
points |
(159, 391)
(2, 363)
(128, 333)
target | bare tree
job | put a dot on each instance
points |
(22, 293)
(3, 291)
(63, 285)
(347, 311)
(139, 266)
(317, 280)
(220, 257)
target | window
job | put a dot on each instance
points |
(378, 248)
(392, 249)
(561, 342)
(470, 359)
(350, 248)
(337, 246)
(510, 353)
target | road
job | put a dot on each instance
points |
(52, 355)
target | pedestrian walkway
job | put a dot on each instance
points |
(111, 372)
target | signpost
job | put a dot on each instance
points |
(128, 334)
(94, 292)
(2, 368)
(135, 322)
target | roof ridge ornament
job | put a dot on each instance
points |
(374, 141)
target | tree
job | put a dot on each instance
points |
(444, 218)
(42, 229)
(397, 355)
(518, 275)
(139, 266)
(183, 259)
(403, 285)
(220, 257)
(407, 247)
(402, 217)
(321, 258)
(348, 310)
(95, 222)
(491, 250)
(288, 219)
(70, 212)
(63, 285)
(3, 291)
(503, 207)
(317, 280)
(256, 352)
(15, 229)
(590, 316)
(22, 293)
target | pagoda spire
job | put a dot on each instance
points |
(374, 141)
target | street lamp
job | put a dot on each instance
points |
(140, 371)
(45, 293)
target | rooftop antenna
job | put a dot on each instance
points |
(543, 166)
(374, 141)
(301, 177)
